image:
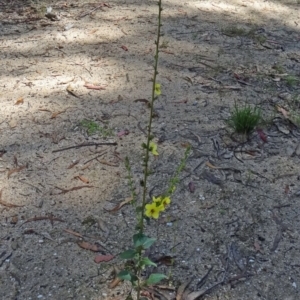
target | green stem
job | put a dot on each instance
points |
(141, 225)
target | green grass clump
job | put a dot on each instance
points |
(92, 127)
(291, 80)
(244, 119)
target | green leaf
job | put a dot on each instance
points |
(128, 254)
(155, 278)
(140, 239)
(145, 261)
(125, 275)
(148, 243)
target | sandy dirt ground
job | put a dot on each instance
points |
(74, 86)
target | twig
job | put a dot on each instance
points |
(88, 13)
(85, 145)
(95, 157)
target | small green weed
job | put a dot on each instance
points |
(92, 127)
(244, 119)
(291, 80)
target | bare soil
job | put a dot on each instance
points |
(232, 230)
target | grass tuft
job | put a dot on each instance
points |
(92, 127)
(244, 119)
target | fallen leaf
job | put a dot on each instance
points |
(91, 86)
(123, 132)
(20, 101)
(102, 226)
(211, 165)
(283, 111)
(120, 205)
(73, 233)
(100, 258)
(192, 187)
(181, 289)
(89, 246)
(262, 135)
(114, 283)
(124, 48)
(16, 170)
(82, 178)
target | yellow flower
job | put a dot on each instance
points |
(158, 199)
(153, 148)
(157, 89)
(152, 210)
(165, 201)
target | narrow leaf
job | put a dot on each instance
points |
(128, 254)
(155, 278)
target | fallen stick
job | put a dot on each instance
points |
(85, 145)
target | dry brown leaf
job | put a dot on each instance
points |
(196, 295)
(91, 86)
(211, 165)
(89, 246)
(100, 258)
(283, 111)
(16, 170)
(124, 48)
(114, 283)
(82, 178)
(181, 290)
(20, 101)
(73, 233)
(126, 201)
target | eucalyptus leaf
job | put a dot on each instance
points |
(126, 275)
(128, 254)
(145, 261)
(155, 278)
(141, 240)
